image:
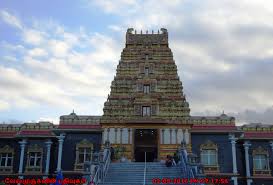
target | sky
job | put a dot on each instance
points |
(62, 56)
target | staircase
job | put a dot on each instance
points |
(132, 173)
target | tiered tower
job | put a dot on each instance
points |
(146, 93)
(146, 77)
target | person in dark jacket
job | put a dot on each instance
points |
(168, 162)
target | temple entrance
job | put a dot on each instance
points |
(145, 141)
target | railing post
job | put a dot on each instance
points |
(144, 176)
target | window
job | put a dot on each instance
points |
(146, 57)
(84, 155)
(6, 159)
(84, 151)
(146, 71)
(146, 89)
(146, 111)
(208, 157)
(260, 162)
(34, 158)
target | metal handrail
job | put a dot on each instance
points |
(144, 175)
(107, 163)
(102, 170)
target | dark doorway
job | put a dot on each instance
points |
(145, 141)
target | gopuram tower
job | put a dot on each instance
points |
(146, 110)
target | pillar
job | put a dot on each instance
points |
(60, 151)
(271, 144)
(118, 133)
(162, 136)
(48, 148)
(121, 130)
(234, 161)
(22, 154)
(108, 130)
(187, 136)
(171, 136)
(129, 135)
(180, 136)
(116, 136)
(246, 147)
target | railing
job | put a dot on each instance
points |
(144, 175)
(186, 167)
(102, 169)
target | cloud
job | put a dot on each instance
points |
(37, 52)
(33, 37)
(10, 19)
(58, 68)
(117, 7)
(4, 105)
(115, 28)
(223, 51)
(10, 58)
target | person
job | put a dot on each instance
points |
(175, 157)
(112, 153)
(173, 162)
(168, 162)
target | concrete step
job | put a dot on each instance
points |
(132, 173)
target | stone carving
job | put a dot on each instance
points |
(130, 30)
(164, 30)
(127, 97)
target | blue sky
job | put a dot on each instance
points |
(56, 57)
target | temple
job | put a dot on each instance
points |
(146, 117)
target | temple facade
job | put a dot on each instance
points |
(145, 112)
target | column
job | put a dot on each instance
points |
(234, 161)
(112, 135)
(171, 135)
(103, 140)
(48, 147)
(129, 135)
(22, 154)
(118, 135)
(125, 136)
(108, 130)
(271, 144)
(187, 136)
(246, 147)
(180, 136)
(167, 136)
(60, 151)
(162, 136)
(176, 130)
(121, 135)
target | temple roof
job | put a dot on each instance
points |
(39, 129)
(73, 118)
